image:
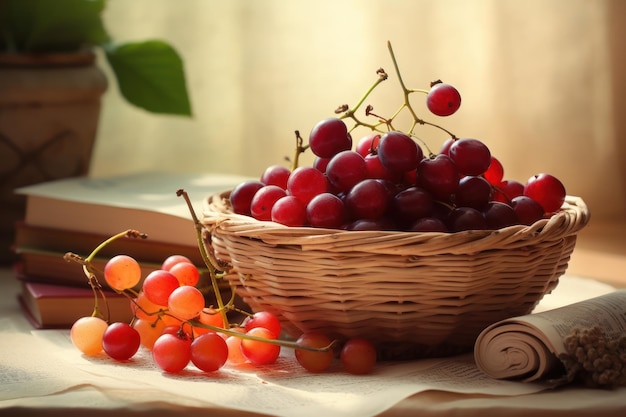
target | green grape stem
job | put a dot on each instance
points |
(209, 259)
(90, 270)
(350, 112)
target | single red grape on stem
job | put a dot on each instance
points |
(443, 99)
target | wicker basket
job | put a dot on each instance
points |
(412, 294)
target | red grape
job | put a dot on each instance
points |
(471, 156)
(398, 152)
(329, 137)
(528, 211)
(443, 99)
(158, 286)
(367, 200)
(346, 169)
(172, 353)
(263, 201)
(276, 175)
(466, 218)
(260, 352)
(209, 352)
(547, 190)
(439, 176)
(326, 210)
(499, 215)
(411, 204)
(367, 145)
(241, 196)
(358, 356)
(428, 224)
(290, 211)
(314, 361)
(473, 192)
(306, 182)
(495, 172)
(263, 319)
(120, 341)
(507, 190)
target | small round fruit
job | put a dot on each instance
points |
(209, 352)
(329, 137)
(358, 356)
(443, 99)
(314, 361)
(122, 272)
(547, 190)
(120, 341)
(86, 334)
(260, 352)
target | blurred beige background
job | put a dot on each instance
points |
(542, 82)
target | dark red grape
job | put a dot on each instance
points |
(428, 224)
(528, 211)
(398, 152)
(368, 199)
(471, 156)
(439, 176)
(242, 194)
(411, 204)
(507, 190)
(329, 137)
(326, 210)
(499, 215)
(466, 218)
(473, 192)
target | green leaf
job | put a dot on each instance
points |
(51, 26)
(150, 75)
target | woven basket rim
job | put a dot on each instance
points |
(571, 218)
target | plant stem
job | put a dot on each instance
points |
(209, 260)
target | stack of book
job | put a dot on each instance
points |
(77, 214)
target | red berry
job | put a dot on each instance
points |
(443, 99)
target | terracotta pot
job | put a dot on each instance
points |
(49, 111)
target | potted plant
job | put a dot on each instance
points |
(51, 86)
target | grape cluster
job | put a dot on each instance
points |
(388, 183)
(594, 358)
(173, 322)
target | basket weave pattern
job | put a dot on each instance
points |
(411, 294)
